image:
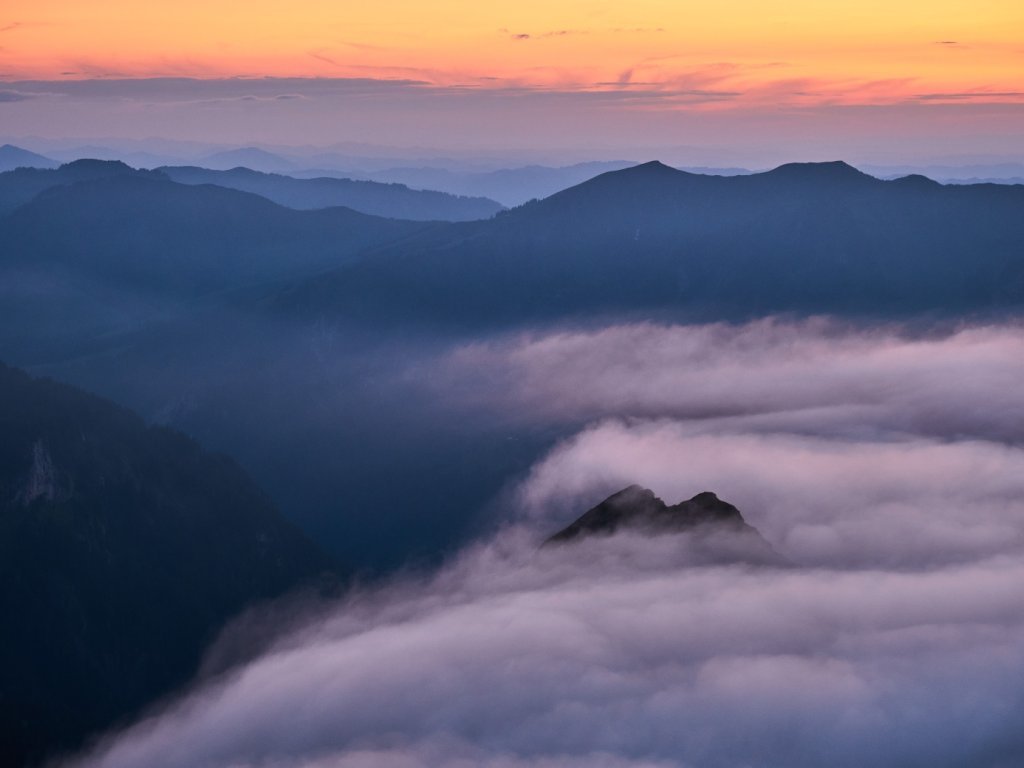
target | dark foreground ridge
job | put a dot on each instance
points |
(124, 548)
(705, 515)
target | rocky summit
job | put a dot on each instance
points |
(718, 530)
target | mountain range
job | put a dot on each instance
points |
(510, 186)
(803, 238)
(395, 201)
(96, 247)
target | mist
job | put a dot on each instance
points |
(883, 463)
(617, 653)
(834, 377)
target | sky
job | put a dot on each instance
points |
(944, 77)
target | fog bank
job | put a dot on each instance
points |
(886, 466)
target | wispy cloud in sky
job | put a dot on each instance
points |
(13, 96)
(714, 114)
(790, 69)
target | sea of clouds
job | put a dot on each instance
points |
(885, 465)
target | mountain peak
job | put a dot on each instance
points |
(636, 178)
(639, 508)
(249, 157)
(651, 169)
(633, 492)
(835, 170)
(652, 165)
(706, 497)
(717, 532)
(12, 157)
(93, 166)
(917, 181)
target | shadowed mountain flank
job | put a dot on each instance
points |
(124, 549)
(95, 249)
(22, 184)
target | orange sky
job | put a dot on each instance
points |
(802, 52)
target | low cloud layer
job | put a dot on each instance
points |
(816, 376)
(821, 501)
(887, 467)
(843, 445)
(616, 654)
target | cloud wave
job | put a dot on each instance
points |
(617, 654)
(888, 466)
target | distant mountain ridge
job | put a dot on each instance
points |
(22, 185)
(509, 186)
(804, 238)
(138, 227)
(12, 157)
(248, 157)
(395, 201)
(99, 248)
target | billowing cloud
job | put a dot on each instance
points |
(828, 377)
(836, 501)
(886, 466)
(843, 445)
(615, 653)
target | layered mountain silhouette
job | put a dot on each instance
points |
(803, 238)
(509, 186)
(98, 248)
(395, 201)
(648, 240)
(21, 185)
(248, 157)
(138, 227)
(12, 157)
(123, 550)
(717, 527)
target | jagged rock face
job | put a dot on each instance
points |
(636, 507)
(717, 530)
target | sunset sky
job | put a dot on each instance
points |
(942, 70)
